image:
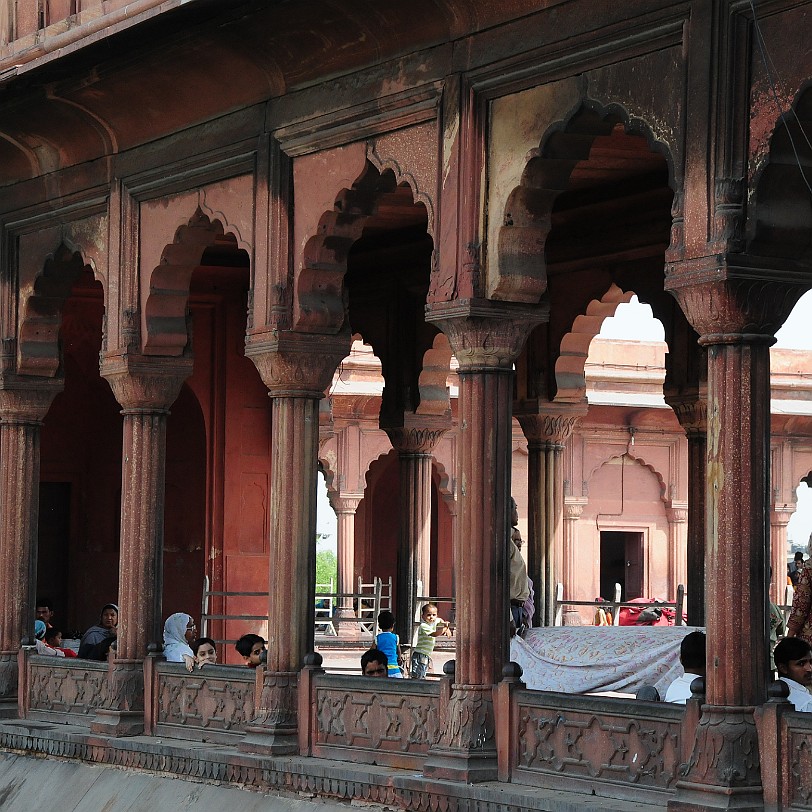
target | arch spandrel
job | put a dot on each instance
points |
(165, 288)
(779, 213)
(42, 302)
(374, 201)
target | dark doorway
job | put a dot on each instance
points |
(53, 551)
(621, 563)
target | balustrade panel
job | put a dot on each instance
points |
(571, 742)
(799, 750)
(213, 704)
(64, 691)
(374, 721)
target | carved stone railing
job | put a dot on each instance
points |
(212, 704)
(61, 690)
(785, 748)
(370, 721)
(629, 749)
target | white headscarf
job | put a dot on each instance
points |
(175, 645)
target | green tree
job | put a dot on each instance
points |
(326, 567)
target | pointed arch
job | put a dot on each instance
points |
(640, 461)
(168, 284)
(780, 223)
(574, 350)
(596, 146)
(38, 349)
(376, 199)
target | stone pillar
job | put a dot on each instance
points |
(414, 441)
(779, 519)
(547, 433)
(296, 368)
(693, 417)
(570, 572)
(677, 526)
(486, 337)
(23, 405)
(345, 507)
(734, 317)
(145, 387)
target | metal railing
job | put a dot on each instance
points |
(617, 604)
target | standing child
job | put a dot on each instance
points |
(389, 643)
(430, 627)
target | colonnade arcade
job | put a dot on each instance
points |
(221, 292)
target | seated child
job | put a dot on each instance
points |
(389, 643)
(430, 627)
(205, 651)
(42, 647)
(53, 639)
(252, 649)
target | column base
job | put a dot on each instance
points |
(723, 771)
(466, 751)
(267, 742)
(117, 723)
(464, 767)
(701, 798)
(275, 731)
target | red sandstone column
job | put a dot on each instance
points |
(145, 388)
(734, 318)
(296, 368)
(414, 441)
(693, 417)
(547, 434)
(345, 507)
(23, 405)
(570, 575)
(677, 524)
(779, 519)
(486, 337)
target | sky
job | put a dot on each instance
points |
(634, 321)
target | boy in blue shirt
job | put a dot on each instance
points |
(389, 643)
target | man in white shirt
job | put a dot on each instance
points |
(692, 658)
(793, 659)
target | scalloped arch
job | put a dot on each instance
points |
(521, 275)
(781, 221)
(574, 349)
(405, 177)
(444, 480)
(433, 379)
(641, 461)
(319, 301)
(38, 350)
(168, 283)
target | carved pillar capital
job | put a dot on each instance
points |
(345, 504)
(677, 515)
(145, 383)
(573, 510)
(27, 399)
(552, 425)
(733, 304)
(416, 433)
(692, 413)
(295, 364)
(486, 334)
(779, 517)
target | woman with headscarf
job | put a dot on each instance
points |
(96, 641)
(179, 631)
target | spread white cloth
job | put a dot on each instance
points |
(586, 659)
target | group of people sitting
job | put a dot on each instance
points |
(793, 662)
(181, 643)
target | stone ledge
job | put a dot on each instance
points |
(316, 778)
